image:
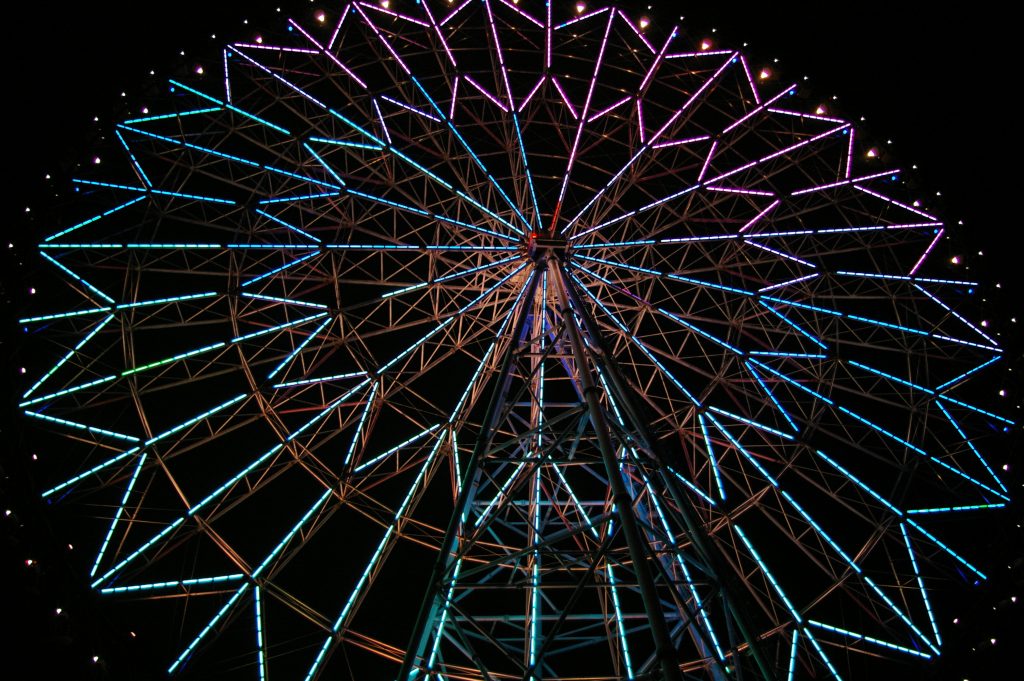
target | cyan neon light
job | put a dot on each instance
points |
(317, 506)
(63, 315)
(134, 161)
(176, 584)
(117, 514)
(750, 422)
(164, 301)
(92, 471)
(282, 268)
(82, 426)
(261, 653)
(93, 219)
(286, 225)
(275, 329)
(70, 353)
(196, 419)
(920, 584)
(206, 629)
(68, 391)
(137, 552)
(175, 358)
(862, 637)
(974, 450)
(287, 301)
(380, 457)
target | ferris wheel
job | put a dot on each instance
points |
(501, 339)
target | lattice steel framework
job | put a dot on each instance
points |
(499, 340)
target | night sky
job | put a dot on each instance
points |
(937, 83)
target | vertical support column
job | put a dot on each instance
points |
(435, 593)
(664, 650)
(697, 536)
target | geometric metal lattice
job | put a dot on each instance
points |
(501, 340)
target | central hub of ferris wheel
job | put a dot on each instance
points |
(541, 245)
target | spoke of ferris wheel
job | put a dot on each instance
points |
(958, 316)
(805, 389)
(431, 604)
(664, 651)
(879, 429)
(920, 585)
(668, 534)
(67, 356)
(93, 219)
(153, 191)
(359, 7)
(702, 182)
(515, 118)
(452, 276)
(376, 141)
(757, 235)
(230, 157)
(647, 145)
(403, 511)
(582, 118)
(973, 448)
(928, 391)
(118, 513)
(134, 161)
(227, 485)
(797, 619)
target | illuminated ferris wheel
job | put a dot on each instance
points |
(502, 339)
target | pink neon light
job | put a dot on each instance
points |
(227, 80)
(896, 203)
(780, 152)
(583, 115)
(440, 34)
(565, 97)
(540, 81)
(750, 79)
(757, 218)
(832, 185)
(787, 256)
(455, 91)
(258, 46)
(337, 29)
(380, 117)
(501, 57)
(799, 114)
(640, 118)
(928, 250)
(657, 60)
(636, 30)
(328, 54)
(702, 53)
(485, 93)
(277, 77)
(676, 143)
(787, 283)
(383, 41)
(849, 153)
(394, 14)
(547, 57)
(581, 18)
(454, 12)
(737, 190)
(614, 106)
(520, 12)
(758, 109)
(707, 161)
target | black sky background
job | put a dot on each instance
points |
(938, 83)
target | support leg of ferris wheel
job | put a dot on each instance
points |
(642, 559)
(623, 395)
